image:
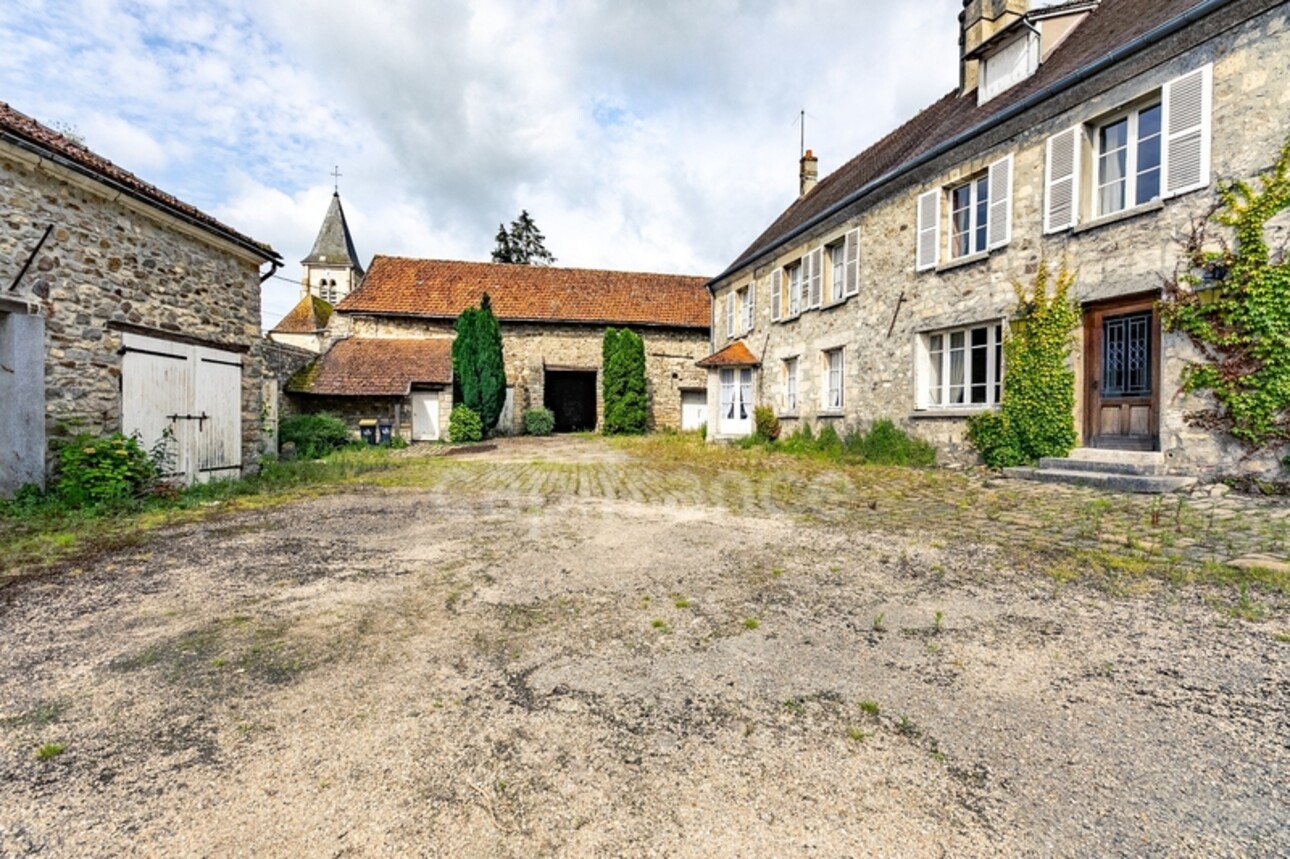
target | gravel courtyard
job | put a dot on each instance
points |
(566, 649)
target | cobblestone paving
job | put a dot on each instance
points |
(1125, 541)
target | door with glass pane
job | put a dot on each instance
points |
(736, 401)
(1122, 374)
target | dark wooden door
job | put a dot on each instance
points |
(1122, 374)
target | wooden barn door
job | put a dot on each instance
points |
(1122, 371)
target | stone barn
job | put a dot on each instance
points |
(123, 309)
(552, 320)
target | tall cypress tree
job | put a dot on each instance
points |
(626, 395)
(477, 365)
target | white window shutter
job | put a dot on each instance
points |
(929, 229)
(817, 276)
(808, 274)
(851, 263)
(1185, 116)
(730, 313)
(1061, 180)
(776, 284)
(752, 306)
(999, 228)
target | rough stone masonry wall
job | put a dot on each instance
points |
(670, 354)
(108, 262)
(1125, 256)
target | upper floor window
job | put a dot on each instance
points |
(1008, 66)
(969, 217)
(825, 274)
(980, 216)
(1128, 160)
(1155, 151)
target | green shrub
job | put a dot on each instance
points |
(990, 434)
(464, 425)
(767, 424)
(103, 472)
(887, 444)
(800, 440)
(314, 436)
(539, 421)
(478, 369)
(828, 441)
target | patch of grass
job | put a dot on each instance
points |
(938, 621)
(796, 706)
(1246, 608)
(751, 623)
(682, 602)
(907, 727)
(855, 734)
(37, 717)
(1282, 637)
(878, 620)
(49, 751)
(869, 708)
(660, 624)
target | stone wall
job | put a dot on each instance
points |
(527, 348)
(1116, 256)
(111, 262)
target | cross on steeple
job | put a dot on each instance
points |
(335, 175)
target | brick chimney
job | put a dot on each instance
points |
(810, 173)
(979, 20)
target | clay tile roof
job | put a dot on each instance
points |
(309, 316)
(1112, 25)
(23, 131)
(734, 355)
(444, 288)
(371, 367)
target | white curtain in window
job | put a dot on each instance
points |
(745, 392)
(728, 393)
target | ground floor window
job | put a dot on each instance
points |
(790, 385)
(833, 380)
(736, 400)
(963, 367)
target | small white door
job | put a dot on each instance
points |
(736, 401)
(425, 416)
(694, 409)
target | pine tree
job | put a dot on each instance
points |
(478, 370)
(522, 244)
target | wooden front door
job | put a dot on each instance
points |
(1122, 374)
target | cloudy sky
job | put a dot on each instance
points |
(654, 135)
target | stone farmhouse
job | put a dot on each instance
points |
(122, 308)
(1093, 132)
(390, 354)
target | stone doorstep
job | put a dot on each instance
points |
(1137, 464)
(1115, 482)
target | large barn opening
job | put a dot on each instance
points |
(571, 396)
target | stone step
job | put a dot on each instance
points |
(1106, 465)
(1145, 483)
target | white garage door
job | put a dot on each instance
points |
(694, 409)
(194, 393)
(425, 416)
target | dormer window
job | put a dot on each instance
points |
(1008, 65)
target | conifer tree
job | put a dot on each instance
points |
(478, 370)
(522, 244)
(626, 394)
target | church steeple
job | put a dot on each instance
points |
(332, 270)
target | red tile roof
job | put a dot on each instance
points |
(735, 355)
(444, 288)
(23, 131)
(1111, 26)
(372, 367)
(309, 316)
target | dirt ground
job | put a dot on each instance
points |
(505, 668)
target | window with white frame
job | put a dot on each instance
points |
(790, 385)
(825, 274)
(963, 367)
(969, 217)
(1128, 160)
(747, 307)
(833, 379)
(1155, 148)
(980, 216)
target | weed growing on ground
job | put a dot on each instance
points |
(878, 620)
(660, 624)
(796, 706)
(869, 708)
(49, 751)
(938, 621)
(751, 623)
(682, 602)
(907, 727)
(855, 734)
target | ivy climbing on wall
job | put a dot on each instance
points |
(1037, 416)
(1233, 301)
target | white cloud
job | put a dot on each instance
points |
(645, 135)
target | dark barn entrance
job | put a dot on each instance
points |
(571, 395)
